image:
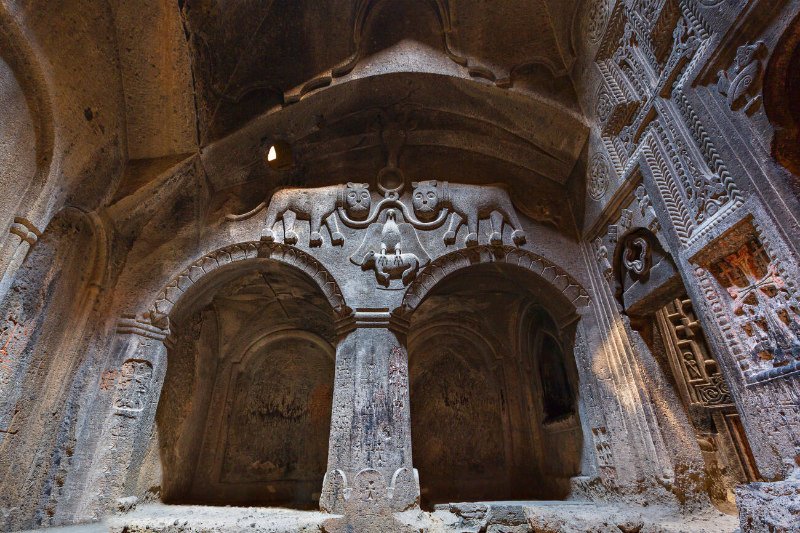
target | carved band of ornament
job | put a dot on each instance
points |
(712, 301)
(689, 229)
(614, 30)
(132, 325)
(372, 318)
(281, 253)
(669, 190)
(439, 268)
(692, 16)
(707, 147)
(25, 230)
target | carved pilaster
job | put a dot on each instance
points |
(24, 234)
(370, 428)
(131, 384)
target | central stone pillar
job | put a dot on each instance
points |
(369, 456)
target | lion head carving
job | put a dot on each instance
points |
(357, 200)
(425, 199)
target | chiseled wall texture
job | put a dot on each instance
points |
(567, 230)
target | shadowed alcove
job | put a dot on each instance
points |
(493, 383)
(245, 411)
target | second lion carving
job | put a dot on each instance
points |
(469, 204)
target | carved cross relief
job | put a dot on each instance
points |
(761, 302)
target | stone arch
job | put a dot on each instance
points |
(475, 339)
(244, 412)
(26, 97)
(457, 396)
(169, 296)
(781, 102)
(449, 263)
(25, 62)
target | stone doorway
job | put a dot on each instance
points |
(245, 411)
(494, 412)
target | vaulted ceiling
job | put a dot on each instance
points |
(251, 55)
(480, 90)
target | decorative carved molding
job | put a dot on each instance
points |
(679, 215)
(742, 78)
(617, 101)
(25, 230)
(282, 253)
(719, 170)
(696, 371)
(140, 325)
(453, 261)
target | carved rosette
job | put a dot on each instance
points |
(596, 19)
(598, 177)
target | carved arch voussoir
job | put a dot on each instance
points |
(169, 296)
(441, 267)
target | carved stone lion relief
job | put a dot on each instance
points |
(390, 244)
(468, 204)
(316, 206)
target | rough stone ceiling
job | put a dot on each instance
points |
(483, 91)
(250, 55)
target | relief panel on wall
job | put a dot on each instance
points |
(760, 299)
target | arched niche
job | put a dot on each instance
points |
(244, 413)
(494, 388)
(782, 99)
(26, 131)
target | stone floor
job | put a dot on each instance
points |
(493, 517)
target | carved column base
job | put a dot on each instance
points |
(401, 494)
(368, 504)
(769, 506)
